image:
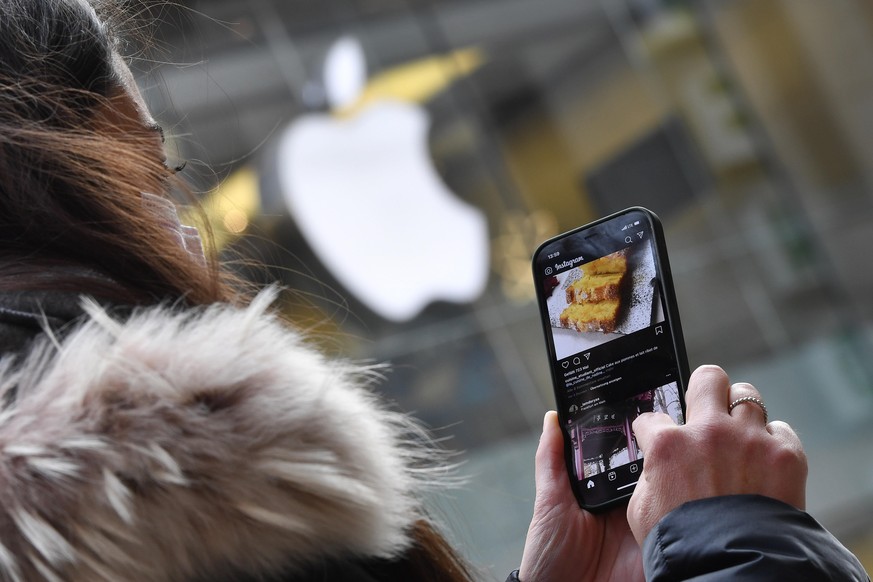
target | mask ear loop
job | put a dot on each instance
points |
(194, 244)
(187, 237)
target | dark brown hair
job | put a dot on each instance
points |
(70, 188)
(431, 559)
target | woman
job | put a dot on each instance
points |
(165, 428)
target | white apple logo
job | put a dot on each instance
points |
(366, 197)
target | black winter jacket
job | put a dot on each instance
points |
(745, 537)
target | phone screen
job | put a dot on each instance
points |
(615, 346)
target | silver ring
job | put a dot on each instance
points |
(751, 399)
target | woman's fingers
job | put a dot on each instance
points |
(708, 394)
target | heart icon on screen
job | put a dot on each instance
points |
(565, 364)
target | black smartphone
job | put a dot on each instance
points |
(615, 346)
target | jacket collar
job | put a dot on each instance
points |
(182, 442)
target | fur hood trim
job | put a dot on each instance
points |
(177, 445)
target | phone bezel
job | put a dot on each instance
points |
(671, 315)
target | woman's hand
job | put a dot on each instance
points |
(566, 543)
(717, 452)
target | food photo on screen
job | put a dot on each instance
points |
(603, 299)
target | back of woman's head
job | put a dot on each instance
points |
(71, 168)
(53, 44)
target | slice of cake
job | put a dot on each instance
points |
(596, 288)
(594, 301)
(614, 263)
(595, 316)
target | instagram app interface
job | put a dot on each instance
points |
(613, 357)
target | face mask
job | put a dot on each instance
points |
(186, 236)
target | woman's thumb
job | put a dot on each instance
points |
(551, 473)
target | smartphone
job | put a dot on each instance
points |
(615, 346)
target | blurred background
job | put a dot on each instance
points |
(396, 162)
